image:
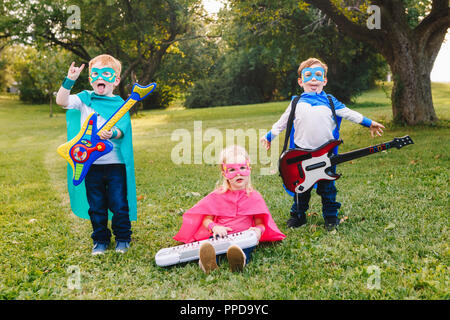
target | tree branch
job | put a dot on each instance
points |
(373, 37)
(436, 21)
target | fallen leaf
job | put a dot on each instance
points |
(140, 198)
(192, 194)
(413, 161)
(390, 226)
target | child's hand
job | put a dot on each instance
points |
(265, 143)
(220, 231)
(105, 135)
(377, 128)
(74, 72)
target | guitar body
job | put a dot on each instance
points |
(87, 146)
(300, 169)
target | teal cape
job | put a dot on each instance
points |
(106, 107)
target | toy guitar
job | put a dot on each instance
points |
(190, 251)
(300, 169)
(87, 146)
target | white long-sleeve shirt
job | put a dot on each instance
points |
(313, 123)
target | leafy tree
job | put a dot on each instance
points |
(138, 33)
(263, 44)
(409, 37)
(39, 72)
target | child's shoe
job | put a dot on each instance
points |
(122, 246)
(236, 258)
(99, 248)
(331, 222)
(207, 260)
(296, 220)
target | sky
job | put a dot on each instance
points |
(441, 69)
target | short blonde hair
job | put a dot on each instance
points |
(230, 155)
(308, 63)
(107, 60)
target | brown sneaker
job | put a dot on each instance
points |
(236, 258)
(207, 261)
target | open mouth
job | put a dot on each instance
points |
(101, 88)
(239, 180)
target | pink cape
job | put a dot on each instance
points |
(230, 204)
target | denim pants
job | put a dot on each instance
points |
(327, 191)
(106, 188)
(247, 252)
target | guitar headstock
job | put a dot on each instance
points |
(401, 142)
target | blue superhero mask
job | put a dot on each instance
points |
(107, 74)
(309, 73)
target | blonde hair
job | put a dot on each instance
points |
(107, 60)
(230, 155)
(308, 63)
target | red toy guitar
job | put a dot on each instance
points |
(300, 169)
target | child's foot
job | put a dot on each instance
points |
(207, 261)
(296, 220)
(236, 258)
(122, 246)
(99, 248)
(331, 222)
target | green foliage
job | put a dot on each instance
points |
(264, 43)
(138, 33)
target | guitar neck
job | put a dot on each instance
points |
(117, 115)
(339, 158)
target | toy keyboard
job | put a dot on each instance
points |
(190, 251)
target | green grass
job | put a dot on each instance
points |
(396, 203)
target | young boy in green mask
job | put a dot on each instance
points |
(109, 190)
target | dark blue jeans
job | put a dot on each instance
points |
(106, 188)
(327, 191)
(247, 252)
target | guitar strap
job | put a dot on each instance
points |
(290, 122)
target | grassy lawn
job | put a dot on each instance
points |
(395, 203)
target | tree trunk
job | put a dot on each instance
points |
(51, 105)
(412, 102)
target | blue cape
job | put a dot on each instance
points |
(106, 107)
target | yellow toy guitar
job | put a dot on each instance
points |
(87, 146)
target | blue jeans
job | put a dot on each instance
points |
(247, 252)
(106, 188)
(327, 191)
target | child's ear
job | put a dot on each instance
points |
(300, 82)
(325, 80)
(117, 81)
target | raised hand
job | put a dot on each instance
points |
(74, 72)
(376, 128)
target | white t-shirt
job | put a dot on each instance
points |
(314, 125)
(112, 157)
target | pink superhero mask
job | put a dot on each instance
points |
(231, 170)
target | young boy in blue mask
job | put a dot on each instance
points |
(109, 190)
(314, 125)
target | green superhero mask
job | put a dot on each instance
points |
(107, 74)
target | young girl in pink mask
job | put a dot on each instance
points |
(234, 206)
